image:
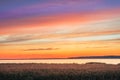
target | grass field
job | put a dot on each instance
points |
(90, 71)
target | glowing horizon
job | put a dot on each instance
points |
(59, 29)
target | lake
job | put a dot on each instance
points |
(62, 61)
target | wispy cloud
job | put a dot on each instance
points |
(18, 9)
(43, 49)
(59, 27)
(15, 38)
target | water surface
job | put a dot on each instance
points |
(62, 61)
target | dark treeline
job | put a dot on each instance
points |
(96, 57)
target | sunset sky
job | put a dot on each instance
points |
(59, 28)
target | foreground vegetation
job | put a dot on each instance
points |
(88, 71)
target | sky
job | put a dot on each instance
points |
(59, 28)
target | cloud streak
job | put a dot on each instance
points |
(59, 27)
(42, 8)
(41, 49)
(15, 38)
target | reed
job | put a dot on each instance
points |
(59, 72)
